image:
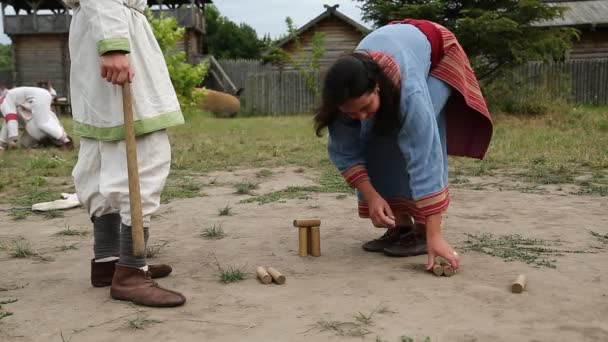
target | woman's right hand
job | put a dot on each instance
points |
(380, 212)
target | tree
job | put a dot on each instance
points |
(6, 57)
(185, 77)
(496, 34)
(226, 39)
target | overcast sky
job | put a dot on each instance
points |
(268, 16)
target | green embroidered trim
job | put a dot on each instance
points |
(149, 125)
(113, 44)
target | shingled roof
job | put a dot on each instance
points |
(580, 13)
(331, 11)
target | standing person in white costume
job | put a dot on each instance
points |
(31, 107)
(111, 44)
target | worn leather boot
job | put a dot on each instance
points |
(102, 272)
(390, 236)
(409, 244)
(134, 285)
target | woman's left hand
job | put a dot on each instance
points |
(437, 246)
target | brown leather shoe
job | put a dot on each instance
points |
(390, 236)
(409, 244)
(134, 285)
(102, 272)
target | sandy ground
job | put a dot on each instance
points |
(569, 303)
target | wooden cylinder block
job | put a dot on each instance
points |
(264, 277)
(448, 270)
(276, 276)
(303, 239)
(519, 285)
(315, 241)
(437, 269)
(306, 223)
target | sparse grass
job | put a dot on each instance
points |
(341, 196)
(363, 318)
(19, 214)
(67, 231)
(603, 238)
(351, 329)
(225, 211)
(215, 232)
(291, 192)
(21, 249)
(152, 251)
(52, 214)
(231, 274)
(574, 140)
(263, 173)
(245, 188)
(4, 313)
(516, 247)
(182, 187)
(409, 339)
(140, 322)
(64, 248)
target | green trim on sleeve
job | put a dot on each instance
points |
(113, 44)
(149, 125)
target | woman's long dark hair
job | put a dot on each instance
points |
(350, 77)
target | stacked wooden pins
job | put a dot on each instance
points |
(309, 236)
(443, 268)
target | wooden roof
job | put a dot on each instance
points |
(331, 11)
(580, 13)
(55, 5)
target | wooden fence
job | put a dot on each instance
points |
(239, 69)
(280, 93)
(269, 92)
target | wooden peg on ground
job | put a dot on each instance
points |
(303, 239)
(437, 270)
(264, 277)
(315, 241)
(306, 223)
(519, 285)
(448, 270)
(276, 276)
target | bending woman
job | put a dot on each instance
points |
(395, 108)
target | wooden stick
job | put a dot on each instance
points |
(264, 277)
(303, 237)
(276, 276)
(137, 223)
(519, 285)
(438, 269)
(306, 223)
(448, 270)
(309, 240)
(315, 241)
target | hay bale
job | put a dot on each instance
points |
(220, 104)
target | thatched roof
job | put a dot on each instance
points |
(581, 13)
(331, 11)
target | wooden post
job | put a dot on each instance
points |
(309, 240)
(276, 276)
(315, 241)
(137, 223)
(519, 285)
(303, 238)
(264, 277)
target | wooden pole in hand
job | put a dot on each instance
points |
(137, 221)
